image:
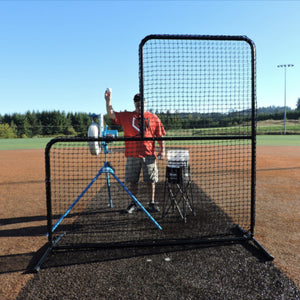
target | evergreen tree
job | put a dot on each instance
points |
(298, 104)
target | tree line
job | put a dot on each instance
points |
(46, 123)
(56, 123)
(217, 120)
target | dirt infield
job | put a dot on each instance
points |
(23, 211)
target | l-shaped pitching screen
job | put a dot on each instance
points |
(202, 88)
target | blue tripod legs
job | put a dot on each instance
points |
(137, 202)
(108, 169)
(108, 190)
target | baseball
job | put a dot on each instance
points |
(108, 90)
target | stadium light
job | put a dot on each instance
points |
(285, 66)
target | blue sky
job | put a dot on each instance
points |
(62, 55)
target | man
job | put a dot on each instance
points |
(139, 154)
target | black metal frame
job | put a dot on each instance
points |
(243, 235)
(246, 235)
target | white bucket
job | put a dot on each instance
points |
(178, 158)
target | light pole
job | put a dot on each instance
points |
(285, 66)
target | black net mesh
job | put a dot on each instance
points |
(201, 86)
(202, 91)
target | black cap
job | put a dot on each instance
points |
(136, 98)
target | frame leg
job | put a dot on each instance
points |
(47, 252)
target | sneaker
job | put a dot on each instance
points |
(131, 208)
(152, 207)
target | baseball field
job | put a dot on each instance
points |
(142, 274)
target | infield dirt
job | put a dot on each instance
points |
(23, 211)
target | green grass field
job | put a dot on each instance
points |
(40, 143)
(276, 127)
(278, 140)
(28, 143)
